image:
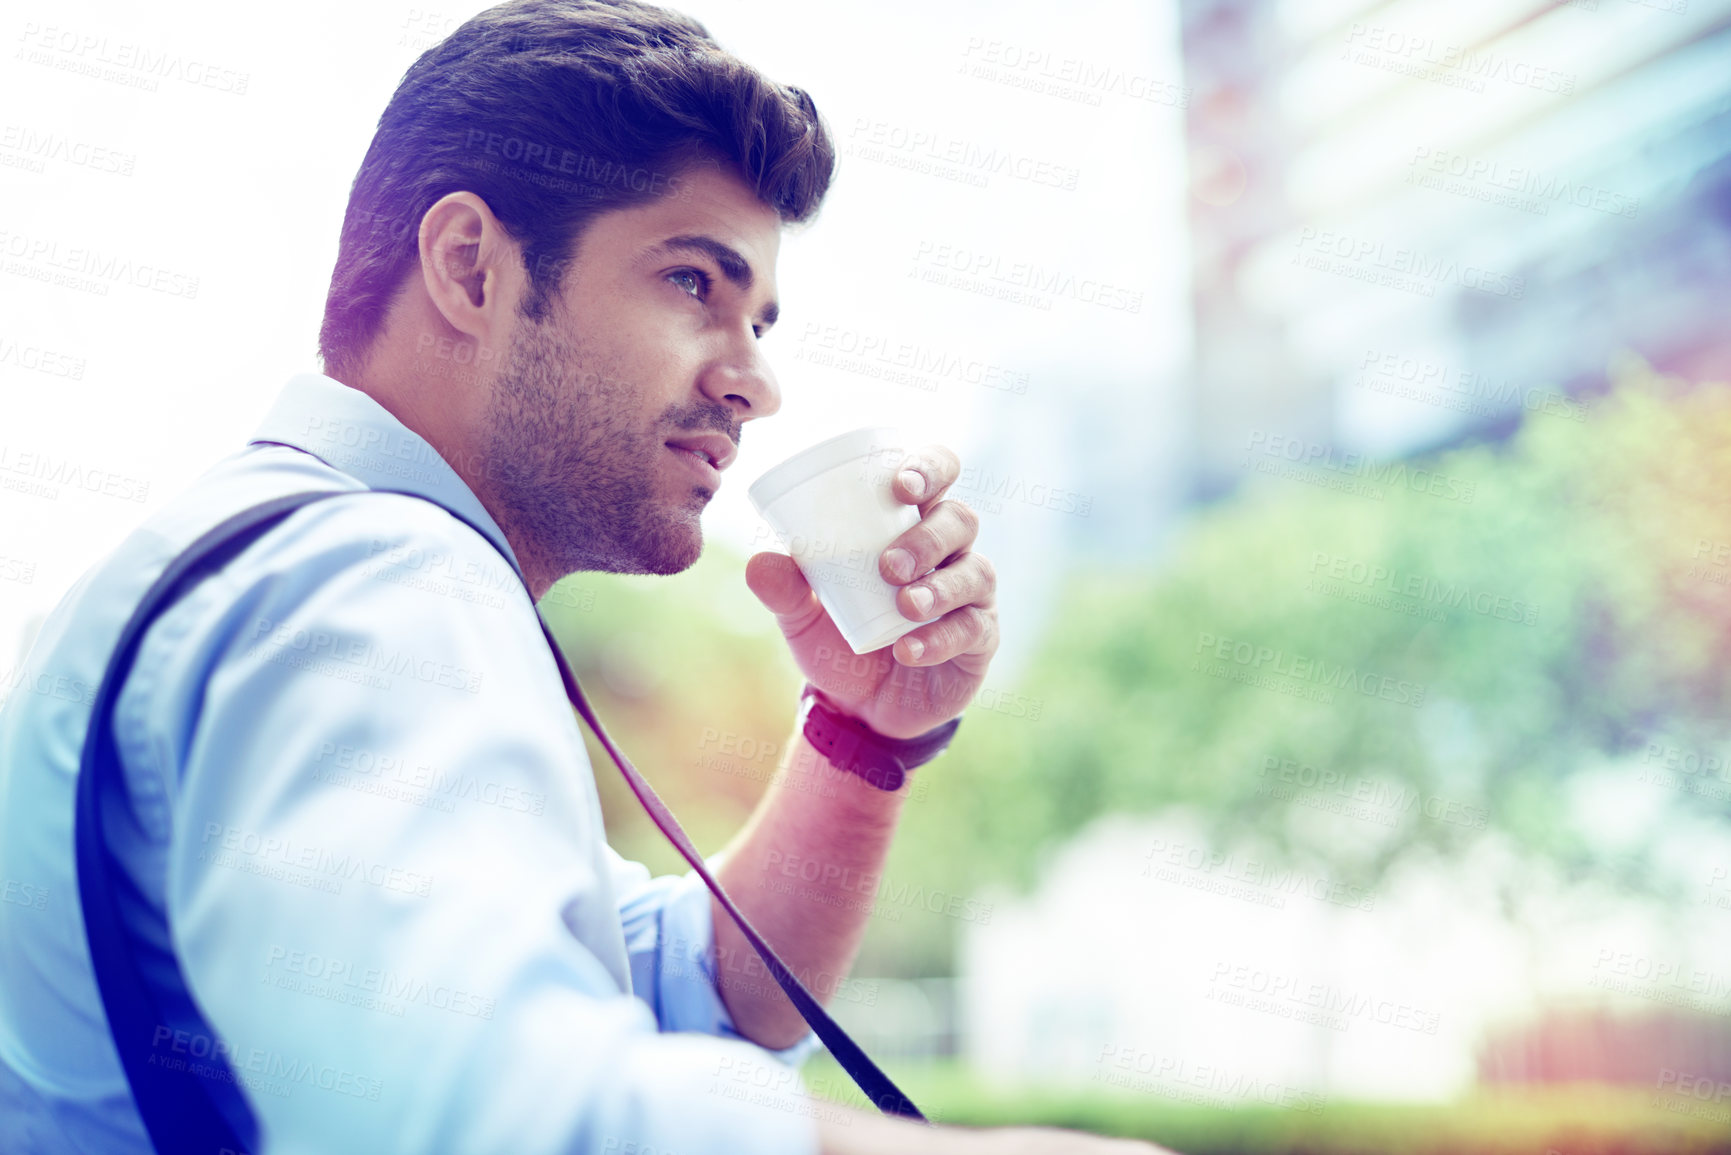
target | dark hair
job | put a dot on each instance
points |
(553, 112)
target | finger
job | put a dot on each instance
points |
(783, 590)
(949, 527)
(969, 630)
(968, 580)
(925, 473)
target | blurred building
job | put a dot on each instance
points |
(1410, 224)
(1414, 222)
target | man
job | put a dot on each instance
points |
(558, 256)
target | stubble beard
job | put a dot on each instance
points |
(573, 475)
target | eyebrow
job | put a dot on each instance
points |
(734, 267)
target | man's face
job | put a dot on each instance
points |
(651, 340)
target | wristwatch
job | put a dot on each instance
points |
(850, 744)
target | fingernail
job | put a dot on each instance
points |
(915, 649)
(921, 599)
(915, 483)
(900, 563)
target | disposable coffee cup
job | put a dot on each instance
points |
(832, 509)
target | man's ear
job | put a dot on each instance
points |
(471, 268)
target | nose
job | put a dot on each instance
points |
(743, 381)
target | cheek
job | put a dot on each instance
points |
(666, 374)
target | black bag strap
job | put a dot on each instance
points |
(149, 1007)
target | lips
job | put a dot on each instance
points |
(716, 449)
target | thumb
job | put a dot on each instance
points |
(783, 590)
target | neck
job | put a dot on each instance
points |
(425, 411)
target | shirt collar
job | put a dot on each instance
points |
(351, 432)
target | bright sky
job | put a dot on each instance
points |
(243, 191)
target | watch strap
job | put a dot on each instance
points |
(849, 744)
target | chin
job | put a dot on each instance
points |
(675, 548)
(665, 565)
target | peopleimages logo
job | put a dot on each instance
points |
(882, 357)
(1313, 463)
(36, 359)
(344, 980)
(1066, 77)
(41, 475)
(1302, 668)
(1694, 1086)
(123, 62)
(1668, 981)
(1200, 867)
(831, 883)
(935, 153)
(1462, 390)
(1513, 186)
(322, 868)
(1683, 760)
(1209, 1084)
(1342, 1004)
(551, 162)
(1456, 65)
(1424, 590)
(354, 659)
(28, 895)
(394, 775)
(1397, 266)
(14, 569)
(89, 269)
(1369, 799)
(37, 148)
(1020, 281)
(257, 1068)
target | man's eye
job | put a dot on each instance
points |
(692, 281)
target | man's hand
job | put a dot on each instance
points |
(930, 675)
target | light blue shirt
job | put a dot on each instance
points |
(354, 784)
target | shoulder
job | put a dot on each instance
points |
(405, 550)
(364, 579)
(370, 525)
(377, 565)
(362, 612)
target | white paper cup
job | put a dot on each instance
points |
(832, 508)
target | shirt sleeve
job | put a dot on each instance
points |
(670, 935)
(387, 879)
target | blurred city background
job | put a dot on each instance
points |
(1343, 388)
